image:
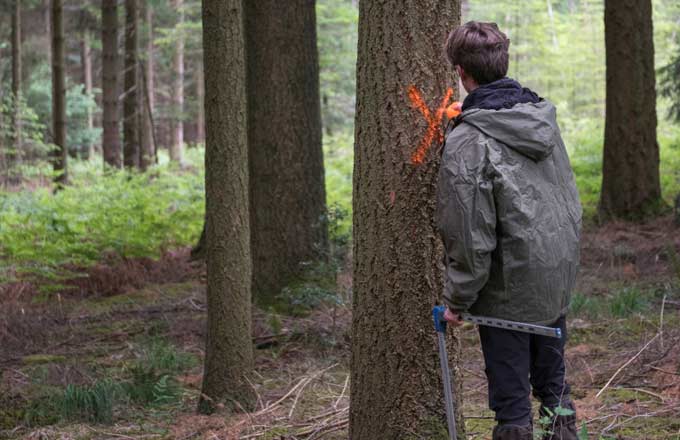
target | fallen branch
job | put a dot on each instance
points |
(626, 364)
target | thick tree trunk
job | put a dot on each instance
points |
(630, 171)
(111, 130)
(14, 156)
(177, 142)
(288, 197)
(131, 100)
(396, 385)
(58, 94)
(229, 350)
(87, 82)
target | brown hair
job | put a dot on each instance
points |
(481, 49)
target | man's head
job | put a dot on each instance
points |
(479, 53)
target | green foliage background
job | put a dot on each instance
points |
(557, 49)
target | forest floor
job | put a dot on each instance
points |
(127, 364)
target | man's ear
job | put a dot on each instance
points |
(461, 73)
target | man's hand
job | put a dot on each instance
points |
(453, 318)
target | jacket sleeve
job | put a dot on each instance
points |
(466, 219)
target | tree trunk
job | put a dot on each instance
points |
(287, 194)
(630, 169)
(58, 94)
(229, 350)
(14, 156)
(47, 14)
(147, 156)
(111, 133)
(3, 153)
(396, 384)
(200, 96)
(87, 81)
(177, 142)
(131, 100)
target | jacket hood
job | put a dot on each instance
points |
(529, 128)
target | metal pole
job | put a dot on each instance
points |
(440, 327)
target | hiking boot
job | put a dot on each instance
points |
(561, 427)
(513, 432)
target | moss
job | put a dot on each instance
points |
(36, 359)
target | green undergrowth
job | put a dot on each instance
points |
(98, 215)
(338, 162)
(315, 287)
(146, 382)
(585, 143)
(620, 303)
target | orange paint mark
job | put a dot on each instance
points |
(434, 122)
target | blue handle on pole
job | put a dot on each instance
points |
(438, 317)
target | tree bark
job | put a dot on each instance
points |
(131, 100)
(147, 155)
(58, 94)
(200, 96)
(14, 156)
(229, 350)
(396, 384)
(630, 169)
(87, 82)
(110, 123)
(3, 153)
(177, 142)
(287, 194)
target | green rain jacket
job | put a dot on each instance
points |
(509, 215)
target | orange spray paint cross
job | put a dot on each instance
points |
(434, 121)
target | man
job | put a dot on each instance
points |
(510, 218)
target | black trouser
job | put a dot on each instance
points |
(516, 360)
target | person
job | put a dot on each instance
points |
(509, 216)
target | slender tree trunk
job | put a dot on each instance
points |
(3, 157)
(177, 143)
(630, 171)
(131, 100)
(110, 123)
(396, 388)
(288, 198)
(200, 96)
(14, 156)
(147, 144)
(47, 14)
(87, 81)
(229, 350)
(59, 94)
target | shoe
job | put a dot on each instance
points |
(562, 427)
(513, 432)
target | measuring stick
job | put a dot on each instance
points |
(524, 327)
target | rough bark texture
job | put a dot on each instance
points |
(177, 142)
(630, 174)
(111, 133)
(396, 383)
(58, 94)
(87, 82)
(131, 101)
(284, 135)
(14, 156)
(229, 350)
